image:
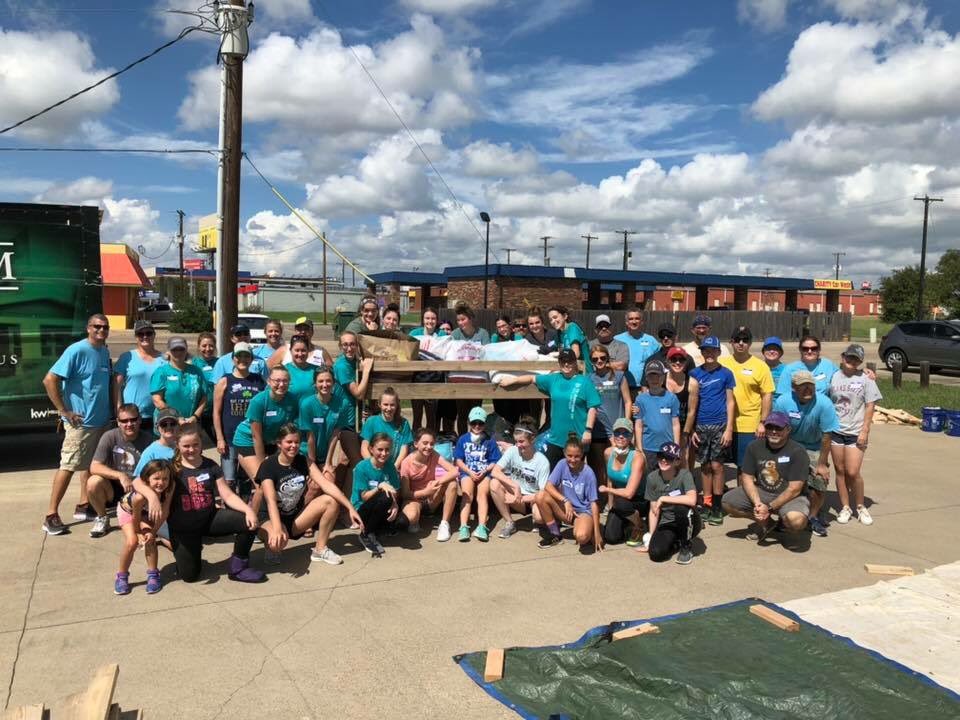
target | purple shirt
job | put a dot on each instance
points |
(579, 489)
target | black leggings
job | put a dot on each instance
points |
(374, 511)
(187, 547)
(675, 534)
(615, 530)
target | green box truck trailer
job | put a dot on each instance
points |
(50, 283)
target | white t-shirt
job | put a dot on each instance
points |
(531, 475)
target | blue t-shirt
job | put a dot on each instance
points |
(808, 423)
(579, 489)
(85, 370)
(155, 451)
(399, 433)
(136, 374)
(656, 412)
(366, 477)
(345, 373)
(263, 351)
(776, 372)
(271, 414)
(418, 332)
(570, 399)
(611, 408)
(641, 349)
(206, 367)
(822, 371)
(476, 455)
(224, 366)
(714, 384)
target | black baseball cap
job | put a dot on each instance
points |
(666, 329)
(239, 329)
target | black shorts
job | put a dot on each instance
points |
(118, 492)
(286, 520)
(841, 439)
(250, 452)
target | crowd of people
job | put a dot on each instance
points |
(611, 451)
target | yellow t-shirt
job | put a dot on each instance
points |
(753, 382)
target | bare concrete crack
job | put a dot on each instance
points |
(23, 625)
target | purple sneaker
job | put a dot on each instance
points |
(154, 584)
(121, 586)
(239, 569)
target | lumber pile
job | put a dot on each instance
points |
(93, 703)
(886, 416)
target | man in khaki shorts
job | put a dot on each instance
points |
(78, 385)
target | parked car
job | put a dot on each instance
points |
(159, 312)
(257, 324)
(934, 341)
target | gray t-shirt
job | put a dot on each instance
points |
(531, 475)
(611, 403)
(120, 454)
(619, 352)
(850, 396)
(774, 469)
(657, 487)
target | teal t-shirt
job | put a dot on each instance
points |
(417, 332)
(400, 434)
(270, 413)
(570, 399)
(345, 373)
(366, 477)
(206, 367)
(301, 382)
(182, 389)
(573, 335)
(322, 419)
(137, 374)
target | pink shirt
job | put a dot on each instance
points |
(419, 474)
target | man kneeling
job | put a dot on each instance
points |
(774, 475)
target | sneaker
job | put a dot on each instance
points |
(84, 512)
(817, 527)
(413, 528)
(53, 525)
(464, 533)
(443, 532)
(326, 555)
(843, 517)
(377, 546)
(549, 541)
(239, 570)
(758, 531)
(636, 538)
(481, 533)
(864, 515)
(715, 516)
(369, 543)
(154, 585)
(507, 530)
(121, 585)
(685, 556)
(101, 526)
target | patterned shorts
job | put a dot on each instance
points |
(711, 448)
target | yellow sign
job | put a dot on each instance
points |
(677, 295)
(833, 285)
(208, 232)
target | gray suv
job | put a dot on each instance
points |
(909, 343)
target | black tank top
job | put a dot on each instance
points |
(236, 398)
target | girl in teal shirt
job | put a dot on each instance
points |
(301, 371)
(571, 335)
(390, 423)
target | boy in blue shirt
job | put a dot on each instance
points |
(475, 456)
(713, 434)
(657, 420)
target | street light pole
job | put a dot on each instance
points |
(486, 258)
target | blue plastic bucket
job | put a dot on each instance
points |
(933, 420)
(952, 426)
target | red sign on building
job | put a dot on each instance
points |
(194, 264)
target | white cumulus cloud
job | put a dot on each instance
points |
(485, 159)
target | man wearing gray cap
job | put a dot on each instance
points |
(618, 351)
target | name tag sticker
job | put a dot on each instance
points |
(674, 493)
(794, 415)
(119, 450)
(173, 377)
(746, 371)
(608, 383)
(271, 413)
(318, 421)
(783, 458)
(664, 411)
(372, 483)
(820, 376)
(203, 477)
(856, 385)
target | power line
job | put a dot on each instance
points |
(149, 151)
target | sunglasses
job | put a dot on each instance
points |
(167, 424)
(599, 358)
(146, 333)
(810, 348)
(666, 336)
(622, 433)
(519, 326)
(677, 361)
(741, 341)
(128, 421)
(664, 458)
(100, 327)
(477, 422)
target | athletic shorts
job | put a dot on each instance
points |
(738, 500)
(79, 445)
(814, 481)
(841, 439)
(711, 448)
(286, 521)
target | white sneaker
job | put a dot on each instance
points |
(843, 517)
(443, 532)
(326, 555)
(101, 526)
(864, 515)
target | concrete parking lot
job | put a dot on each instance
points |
(374, 638)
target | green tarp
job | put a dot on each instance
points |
(720, 662)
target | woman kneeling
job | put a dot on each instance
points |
(571, 495)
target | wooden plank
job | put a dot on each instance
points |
(493, 670)
(636, 631)
(455, 391)
(530, 366)
(775, 618)
(25, 712)
(888, 569)
(94, 702)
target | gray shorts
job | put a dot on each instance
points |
(710, 447)
(738, 500)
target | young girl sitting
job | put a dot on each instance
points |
(137, 528)
(428, 480)
(476, 455)
(571, 495)
(376, 493)
(674, 521)
(518, 476)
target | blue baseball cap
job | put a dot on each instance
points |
(670, 450)
(711, 341)
(773, 340)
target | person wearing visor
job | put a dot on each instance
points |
(179, 384)
(617, 350)
(673, 518)
(224, 364)
(624, 466)
(752, 394)
(134, 369)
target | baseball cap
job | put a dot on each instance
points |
(623, 424)
(802, 377)
(239, 329)
(567, 355)
(602, 319)
(774, 341)
(141, 326)
(676, 352)
(666, 329)
(711, 341)
(477, 414)
(168, 413)
(777, 419)
(702, 320)
(303, 320)
(242, 347)
(176, 342)
(854, 350)
(655, 367)
(670, 450)
(742, 332)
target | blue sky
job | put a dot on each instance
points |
(736, 136)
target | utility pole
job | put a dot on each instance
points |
(546, 260)
(588, 237)
(836, 264)
(626, 251)
(343, 272)
(923, 251)
(324, 278)
(233, 17)
(508, 251)
(180, 242)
